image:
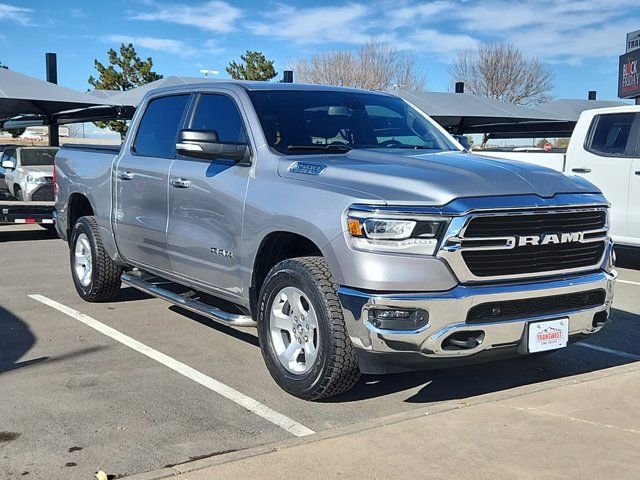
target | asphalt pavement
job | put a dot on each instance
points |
(137, 385)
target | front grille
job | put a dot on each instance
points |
(43, 194)
(534, 307)
(535, 224)
(532, 259)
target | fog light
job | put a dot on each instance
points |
(388, 319)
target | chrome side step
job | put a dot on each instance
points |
(139, 282)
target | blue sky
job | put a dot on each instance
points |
(580, 40)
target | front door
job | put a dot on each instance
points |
(142, 178)
(206, 199)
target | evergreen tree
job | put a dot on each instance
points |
(125, 71)
(253, 66)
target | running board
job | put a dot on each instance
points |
(232, 319)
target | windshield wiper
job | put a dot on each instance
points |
(331, 148)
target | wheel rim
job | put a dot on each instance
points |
(82, 262)
(293, 326)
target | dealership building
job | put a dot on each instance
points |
(629, 69)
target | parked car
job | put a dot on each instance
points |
(605, 149)
(29, 172)
(347, 226)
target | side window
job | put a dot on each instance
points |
(158, 129)
(610, 134)
(219, 113)
(9, 154)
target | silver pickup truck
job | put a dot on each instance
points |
(348, 227)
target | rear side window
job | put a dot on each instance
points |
(610, 134)
(158, 130)
(219, 113)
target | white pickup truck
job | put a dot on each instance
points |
(605, 149)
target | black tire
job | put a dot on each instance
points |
(105, 281)
(18, 194)
(335, 370)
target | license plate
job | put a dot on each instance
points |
(548, 335)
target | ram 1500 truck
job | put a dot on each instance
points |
(348, 227)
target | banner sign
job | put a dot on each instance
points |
(633, 41)
(629, 75)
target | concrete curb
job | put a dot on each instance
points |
(443, 407)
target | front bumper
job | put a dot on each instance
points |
(383, 351)
(38, 192)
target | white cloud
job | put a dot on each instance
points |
(439, 42)
(342, 24)
(214, 16)
(19, 15)
(153, 43)
(558, 31)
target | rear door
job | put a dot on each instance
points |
(142, 178)
(606, 161)
(206, 199)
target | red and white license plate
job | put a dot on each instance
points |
(548, 335)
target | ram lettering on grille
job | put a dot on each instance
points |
(550, 238)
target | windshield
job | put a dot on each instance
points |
(297, 122)
(36, 157)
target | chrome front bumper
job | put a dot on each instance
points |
(448, 312)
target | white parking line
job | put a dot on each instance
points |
(249, 403)
(629, 282)
(630, 356)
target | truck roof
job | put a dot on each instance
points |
(195, 82)
(620, 109)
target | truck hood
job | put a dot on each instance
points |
(432, 178)
(37, 171)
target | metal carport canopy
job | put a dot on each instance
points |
(468, 113)
(21, 95)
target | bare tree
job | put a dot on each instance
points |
(503, 72)
(373, 66)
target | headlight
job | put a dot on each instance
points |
(36, 180)
(417, 236)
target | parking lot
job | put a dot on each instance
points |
(137, 384)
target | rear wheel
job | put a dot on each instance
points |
(95, 276)
(302, 332)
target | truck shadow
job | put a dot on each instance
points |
(470, 381)
(16, 339)
(22, 235)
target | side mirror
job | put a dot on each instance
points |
(8, 164)
(463, 140)
(207, 145)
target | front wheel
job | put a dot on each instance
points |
(302, 332)
(95, 276)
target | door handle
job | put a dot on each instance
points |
(637, 172)
(122, 175)
(180, 183)
(581, 170)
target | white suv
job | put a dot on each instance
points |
(29, 172)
